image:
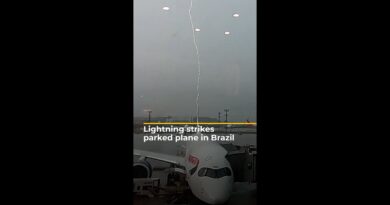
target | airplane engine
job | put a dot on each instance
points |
(142, 169)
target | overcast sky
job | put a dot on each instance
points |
(165, 62)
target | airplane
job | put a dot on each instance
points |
(208, 172)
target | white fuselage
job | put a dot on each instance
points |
(209, 174)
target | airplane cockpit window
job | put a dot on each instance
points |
(223, 172)
(212, 173)
(228, 172)
(202, 172)
(215, 173)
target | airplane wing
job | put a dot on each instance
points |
(180, 161)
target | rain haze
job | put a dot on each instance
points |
(165, 60)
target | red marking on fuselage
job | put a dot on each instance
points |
(192, 159)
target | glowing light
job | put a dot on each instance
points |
(165, 8)
(197, 29)
(227, 33)
(197, 55)
(236, 15)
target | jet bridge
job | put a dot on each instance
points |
(243, 162)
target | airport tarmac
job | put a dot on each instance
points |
(243, 193)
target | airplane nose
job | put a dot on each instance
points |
(219, 199)
(220, 195)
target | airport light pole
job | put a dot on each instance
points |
(149, 111)
(226, 114)
(219, 120)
